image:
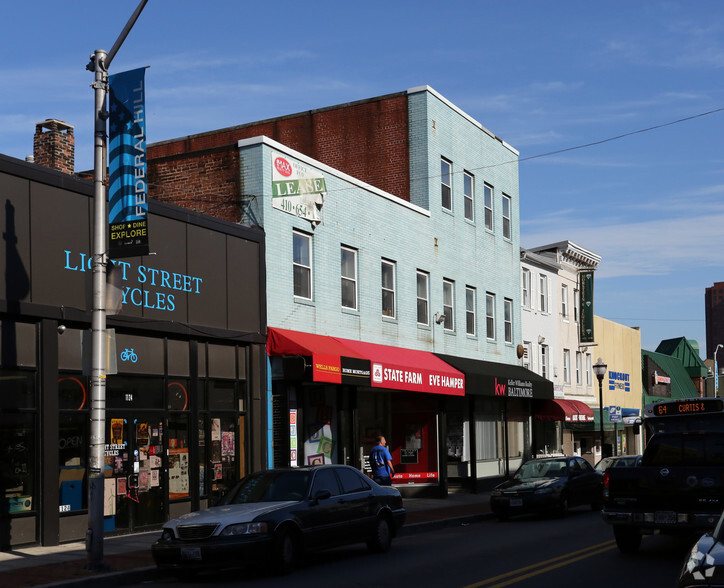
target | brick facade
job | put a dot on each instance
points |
(366, 139)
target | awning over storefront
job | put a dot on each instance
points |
(564, 409)
(488, 378)
(408, 369)
(332, 361)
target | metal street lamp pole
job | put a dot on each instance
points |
(716, 372)
(599, 369)
(100, 61)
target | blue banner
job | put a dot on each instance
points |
(128, 196)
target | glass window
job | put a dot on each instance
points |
(589, 369)
(470, 310)
(567, 366)
(576, 302)
(221, 395)
(508, 318)
(506, 217)
(525, 287)
(490, 315)
(543, 293)
(73, 392)
(349, 278)
(351, 481)
(469, 194)
(177, 394)
(302, 265)
(73, 445)
(564, 301)
(544, 361)
(423, 297)
(134, 392)
(579, 366)
(388, 288)
(448, 304)
(488, 198)
(446, 183)
(178, 457)
(17, 389)
(17, 459)
(325, 480)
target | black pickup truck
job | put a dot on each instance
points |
(677, 488)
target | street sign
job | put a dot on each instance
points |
(614, 414)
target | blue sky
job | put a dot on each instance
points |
(543, 76)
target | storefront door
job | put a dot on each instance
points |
(135, 490)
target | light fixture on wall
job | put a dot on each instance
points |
(439, 318)
(541, 339)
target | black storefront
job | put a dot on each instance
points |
(185, 413)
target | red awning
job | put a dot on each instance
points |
(327, 353)
(559, 409)
(407, 369)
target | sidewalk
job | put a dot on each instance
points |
(129, 559)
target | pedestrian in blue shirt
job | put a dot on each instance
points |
(381, 463)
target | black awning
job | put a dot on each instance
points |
(488, 378)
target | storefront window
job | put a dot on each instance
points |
(17, 453)
(178, 457)
(458, 440)
(73, 453)
(320, 422)
(17, 389)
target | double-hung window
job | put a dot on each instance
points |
(448, 304)
(446, 183)
(470, 310)
(469, 194)
(544, 361)
(349, 278)
(490, 315)
(564, 301)
(388, 288)
(488, 204)
(302, 262)
(423, 298)
(589, 369)
(567, 366)
(507, 232)
(543, 293)
(576, 305)
(579, 367)
(508, 319)
(525, 287)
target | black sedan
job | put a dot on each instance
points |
(618, 461)
(548, 485)
(704, 566)
(275, 515)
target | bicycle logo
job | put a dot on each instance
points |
(129, 355)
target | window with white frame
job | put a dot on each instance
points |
(388, 288)
(543, 293)
(525, 287)
(564, 301)
(423, 298)
(544, 361)
(508, 319)
(446, 183)
(302, 262)
(589, 370)
(579, 367)
(490, 315)
(507, 231)
(448, 304)
(488, 204)
(349, 277)
(525, 360)
(469, 194)
(576, 307)
(470, 310)
(567, 366)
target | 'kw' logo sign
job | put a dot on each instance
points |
(499, 388)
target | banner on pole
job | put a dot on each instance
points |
(586, 305)
(128, 196)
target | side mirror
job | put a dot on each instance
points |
(322, 494)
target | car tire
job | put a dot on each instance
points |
(381, 540)
(284, 553)
(628, 539)
(563, 506)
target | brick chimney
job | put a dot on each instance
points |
(54, 145)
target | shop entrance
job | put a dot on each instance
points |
(135, 481)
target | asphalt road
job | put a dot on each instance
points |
(524, 553)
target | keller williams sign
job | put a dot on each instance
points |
(128, 198)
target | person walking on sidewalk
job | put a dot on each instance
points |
(381, 463)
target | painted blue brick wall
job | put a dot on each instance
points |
(415, 236)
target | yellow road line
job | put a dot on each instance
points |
(549, 565)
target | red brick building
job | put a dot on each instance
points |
(367, 139)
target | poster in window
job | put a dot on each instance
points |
(116, 431)
(178, 473)
(215, 429)
(121, 486)
(142, 434)
(218, 471)
(109, 497)
(227, 443)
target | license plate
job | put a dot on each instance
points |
(665, 517)
(516, 502)
(191, 553)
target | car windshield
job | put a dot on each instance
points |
(271, 486)
(534, 470)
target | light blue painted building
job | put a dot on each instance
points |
(439, 274)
